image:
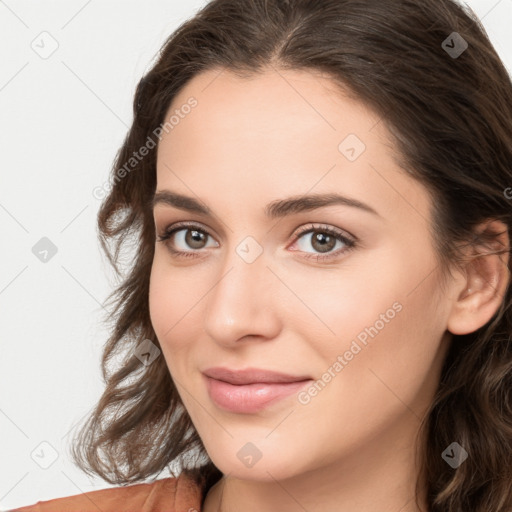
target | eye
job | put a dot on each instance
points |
(191, 238)
(188, 236)
(323, 239)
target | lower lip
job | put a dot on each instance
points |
(250, 398)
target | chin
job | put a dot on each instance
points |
(251, 462)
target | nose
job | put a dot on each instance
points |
(243, 302)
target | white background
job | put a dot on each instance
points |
(62, 120)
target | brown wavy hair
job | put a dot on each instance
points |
(450, 118)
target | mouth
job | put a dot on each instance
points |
(252, 390)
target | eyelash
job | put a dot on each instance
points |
(179, 226)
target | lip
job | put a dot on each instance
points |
(250, 390)
(252, 376)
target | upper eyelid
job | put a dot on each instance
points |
(302, 230)
(319, 226)
(350, 241)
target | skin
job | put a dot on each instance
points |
(250, 142)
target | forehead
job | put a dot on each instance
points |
(274, 106)
(294, 130)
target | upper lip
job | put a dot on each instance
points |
(251, 376)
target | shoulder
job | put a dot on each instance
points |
(165, 495)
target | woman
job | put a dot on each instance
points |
(319, 313)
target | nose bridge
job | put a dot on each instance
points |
(242, 299)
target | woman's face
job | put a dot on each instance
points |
(257, 282)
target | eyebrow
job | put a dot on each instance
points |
(274, 209)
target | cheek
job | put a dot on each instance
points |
(335, 305)
(161, 303)
(393, 342)
(382, 318)
(175, 307)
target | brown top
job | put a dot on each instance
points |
(179, 494)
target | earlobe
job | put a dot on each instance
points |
(486, 283)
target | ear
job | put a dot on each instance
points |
(481, 292)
